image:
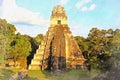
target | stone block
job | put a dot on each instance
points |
(36, 62)
(40, 51)
(38, 56)
(35, 67)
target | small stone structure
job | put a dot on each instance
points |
(58, 50)
(19, 75)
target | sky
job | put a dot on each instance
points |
(32, 17)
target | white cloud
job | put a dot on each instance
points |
(14, 13)
(79, 4)
(31, 30)
(1, 2)
(63, 2)
(92, 7)
(82, 5)
(87, 1)
(77, 29)
(84, 9)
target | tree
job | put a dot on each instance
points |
(20, 49)
(38, 39)
(115, 48)
(99, 52)
(83, 45)
(34, 47)
(114, 72)
(7, 33)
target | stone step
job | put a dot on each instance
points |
(40, 51)
(41, 47)
(36, 62)
(63, 44)
(35, 67)
(38, 56)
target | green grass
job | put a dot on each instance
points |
(37, 74)
(70, 75)
(15, 69)
(5, 74)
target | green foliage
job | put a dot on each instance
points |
(116, 38)
(96, 48)
(2, 61)
(99, 47)
(114, 71)
(83, 45)
(13, 46)
(38, 39)
(99, 51)
(82, 42)
(34, 47)
(115, 49)
(20, 49)
(7, 33)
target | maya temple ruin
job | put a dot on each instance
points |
(58, 50)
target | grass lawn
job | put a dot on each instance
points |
(70, 75)
(5, 74)
(37, 75)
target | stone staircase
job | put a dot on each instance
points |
(58, 50)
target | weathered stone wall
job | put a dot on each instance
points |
(58, 14)
(58, 49)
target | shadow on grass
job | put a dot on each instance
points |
(72, 75)
(68, 75)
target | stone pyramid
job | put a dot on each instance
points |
(58, 50)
